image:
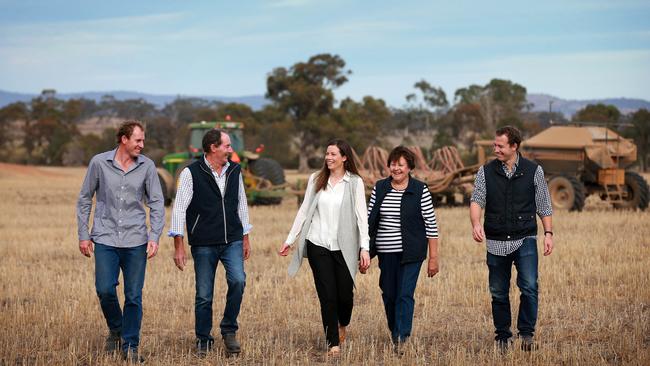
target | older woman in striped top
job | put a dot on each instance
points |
(402, 226)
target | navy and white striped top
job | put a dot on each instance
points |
(389, 234)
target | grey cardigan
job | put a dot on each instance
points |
(348, 235)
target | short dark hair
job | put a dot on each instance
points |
(126, 129)
(513, 134)
(212, 137)
(401, 152)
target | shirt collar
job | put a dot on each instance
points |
(516, 165)
(110, 156)
(225, 167)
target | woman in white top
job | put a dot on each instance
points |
(332, 231)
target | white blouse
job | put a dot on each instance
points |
(324, 225)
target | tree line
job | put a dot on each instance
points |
(301, 116)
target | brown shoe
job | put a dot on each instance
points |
(342, 334)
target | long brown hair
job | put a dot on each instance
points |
(349, 165)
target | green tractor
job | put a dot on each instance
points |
(263, 177)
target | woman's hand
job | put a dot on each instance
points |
(432, 266)
(284, 250)
(364, 261)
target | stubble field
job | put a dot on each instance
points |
(594, 297)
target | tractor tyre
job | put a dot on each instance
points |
(270, 170)
(637, 192)
(567, 193)
(163, 186)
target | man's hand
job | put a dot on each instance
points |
(179, 252)
(284, 249)
(152, 249)
(179, 257)
(86, 247)
(477, 233)
(432, 266)
(364, 261)
(548, 244)
(247, 247)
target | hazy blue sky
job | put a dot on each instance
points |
(570, 49)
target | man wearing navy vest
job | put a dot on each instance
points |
(211, 205)
(512, 190)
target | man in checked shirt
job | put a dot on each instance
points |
(211, 204)
(512, 190)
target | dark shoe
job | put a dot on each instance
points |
(113, 341)
(232, 346)
(527, 343)
(132, 356)
(504, 344)
(203, 347)
(399, 345)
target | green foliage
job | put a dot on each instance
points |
(305, 93)
(640, 132)
(598, 113)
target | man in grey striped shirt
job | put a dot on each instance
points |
(512, 190)
(121, 180)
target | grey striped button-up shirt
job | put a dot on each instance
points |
(120, 217)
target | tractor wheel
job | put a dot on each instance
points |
(637, 192)
(567, 193)
(163, 186)
(270, 170)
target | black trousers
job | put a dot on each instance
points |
(334, 286)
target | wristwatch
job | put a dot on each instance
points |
(548, 232)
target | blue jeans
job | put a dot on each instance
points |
(206, 259)
(133, 262)
(397, 282)
(500, 268)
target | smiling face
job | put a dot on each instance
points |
(222, 152)
(399, 170)
(502, 150)
(333, 158)
(133, 145)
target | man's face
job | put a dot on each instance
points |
(134, 144)
(223, 151)
(502, 150)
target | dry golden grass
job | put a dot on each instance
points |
(594, 296)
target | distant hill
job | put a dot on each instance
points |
(570, 107)
(254, 101)
(540, 102)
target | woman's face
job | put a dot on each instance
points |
(334, 159)
(399, 170)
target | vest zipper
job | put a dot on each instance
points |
(195, 222)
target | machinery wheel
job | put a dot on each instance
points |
(567, 193)
(163, 186)
(270, 170)
(637, 192)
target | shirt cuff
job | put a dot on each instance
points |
(154, 237)
(365, 245)
(248, 229)
(84, 236)
(174, 234)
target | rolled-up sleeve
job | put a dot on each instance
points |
(542, 195)
(156, 203)
(182, 201)
(480, 190)
(85, 201)
(243, 207)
